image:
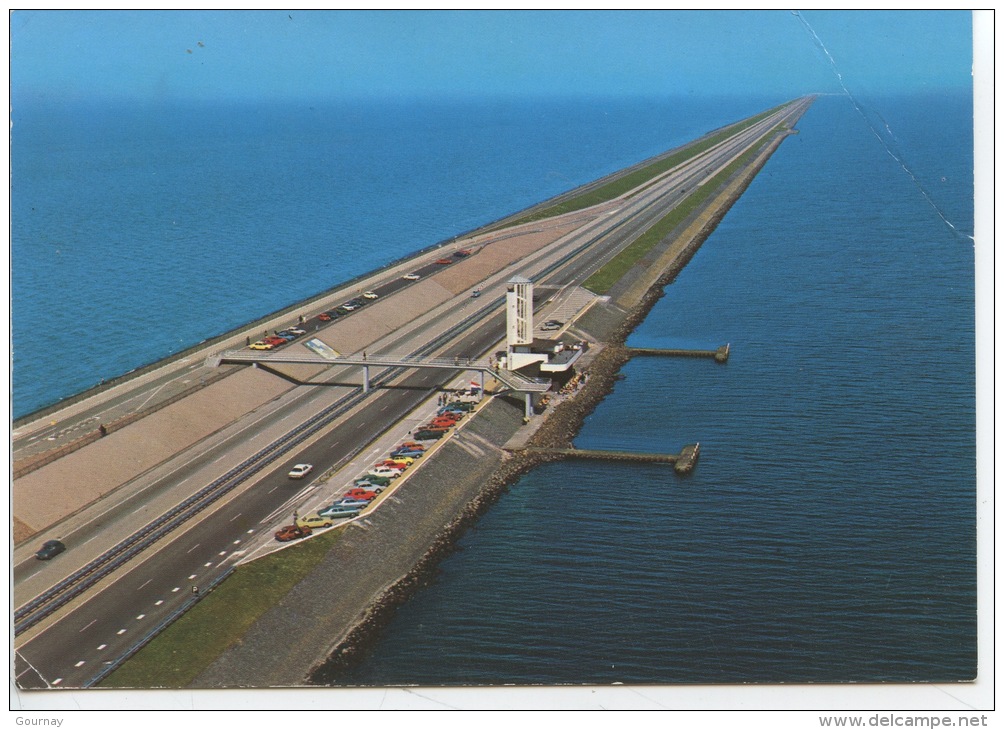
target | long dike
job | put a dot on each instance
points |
(312, 635)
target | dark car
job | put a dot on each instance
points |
(50, 549)
(424, 435)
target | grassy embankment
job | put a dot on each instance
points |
(604, 278)
(188, 646)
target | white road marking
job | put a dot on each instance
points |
(141, 616)
(222, 552)
(207, 565)
(237, 542)
(120, 632)
(103, 646)
(159, 602)
(144, 585)
(86, 627)
(79, 664)
(193, 548)
(175, 590)
(235, 516)
(56, 681)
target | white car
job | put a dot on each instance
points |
(300, 471)
(350, 306)
(411, 277)
(385, 471)
(370, 295)
(296, 331)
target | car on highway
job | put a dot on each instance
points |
(313, 521)
(300, 471)
(550, 326)
(370, 295)
(50, 549)
(476, 293)
(259, 345)
(292, 532)
(336, 511)
(411, 277)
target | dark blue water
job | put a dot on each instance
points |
(828, 531)
(137, 232)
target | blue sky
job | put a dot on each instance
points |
(317, 55)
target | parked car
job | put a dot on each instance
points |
(357, 504)
(50, 549)
(461, 253)
(360, 493)
(411, 277)
(337, 511)
(292, 532)
(444, 262)
(412, 445)
(457, 406)
(403, 461)
(385, 471)
(313, 521)
(300, 471)
(425, 435)
(349, 306)
(275, 340)
(476, 293)
(297, 331)
(372, 479)
(324, 317)
(261, 345)
(410, 453)
(341, 311)
(370, 295)
(368, 485)
(286, 335)
(550, 326)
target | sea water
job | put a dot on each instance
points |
(827, 533)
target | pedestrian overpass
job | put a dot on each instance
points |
(510, 379)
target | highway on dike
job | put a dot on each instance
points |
(87, 636)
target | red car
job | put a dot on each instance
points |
(292, 532)
(443, 422)
(324, 317)
(444, 262)
(360, 493)
(273, 340)
(413, 445)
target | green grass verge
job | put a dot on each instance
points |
(188, 646)
(639, 177)
(604, 278)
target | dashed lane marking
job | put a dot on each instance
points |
(192, 576)
(87, 627)
(175, 590)
(159, 602)
(80, 664)
(55, 682)
(144, 585)
(141, 616)
(103, 646)
(193, 548)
